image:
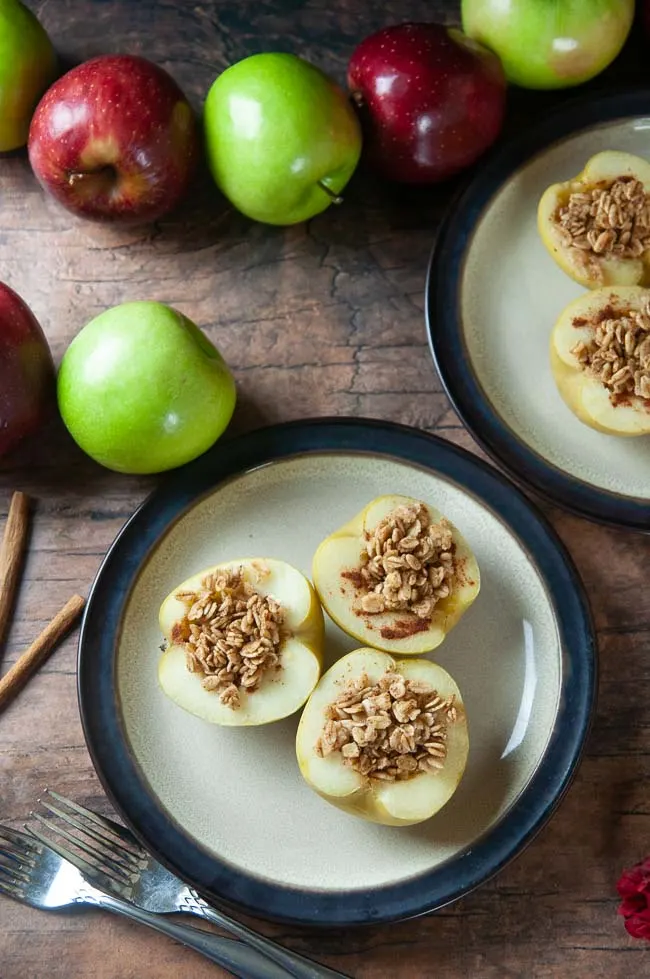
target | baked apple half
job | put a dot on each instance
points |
(384, 739)
(397, 577)
(600, 358)
(244, 642)
(597, 225)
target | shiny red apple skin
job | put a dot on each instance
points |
(431, 100)
(115, 139)
(26, 371)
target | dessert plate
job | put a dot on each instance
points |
(493, 296)
(226, 808)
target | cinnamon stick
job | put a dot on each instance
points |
(40, 649)
(12, 552)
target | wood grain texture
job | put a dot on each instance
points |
(319, 319)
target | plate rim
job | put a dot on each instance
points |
(119, 771)
(443, 290)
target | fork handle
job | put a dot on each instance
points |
(297, 966)
(240, 960)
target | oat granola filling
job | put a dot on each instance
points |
(611, 220)
(618, 352)
(407, 563)
(390, 730)
(231, 634)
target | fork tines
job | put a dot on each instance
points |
(18, 853)
(107, 848)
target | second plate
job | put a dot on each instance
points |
(493, 296)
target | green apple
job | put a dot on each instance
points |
(547, 44)
(27, 67)
(141, 389)
(282, 138)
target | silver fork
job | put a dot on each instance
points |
(131, 873)
(34, 874)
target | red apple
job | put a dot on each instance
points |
(26, 371)
(431, 100)
(114, 139)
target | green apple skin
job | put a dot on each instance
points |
(275, 127)
(28, 65)
(548, 44)
(141, 389)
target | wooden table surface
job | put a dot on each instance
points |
(314, 320)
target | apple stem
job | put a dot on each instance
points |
(74, 176)
(335, 198)
(77, 176)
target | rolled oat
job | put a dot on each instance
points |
(407, 563)
(390, 730)
(231, 635)
(618, 352)
(610, 220)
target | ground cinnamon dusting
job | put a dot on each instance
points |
(390, 730)
(606, 313)
(407, 564)
(618, 353)
(403, 628)
(354, 576)
(231, 635)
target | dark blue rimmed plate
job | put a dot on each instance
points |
(493, 295)
(227, 808)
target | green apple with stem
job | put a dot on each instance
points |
(27, 66)
(547, 44)
(141, 389)
(282, 138)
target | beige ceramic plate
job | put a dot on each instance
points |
(493, 296)
(227, 808)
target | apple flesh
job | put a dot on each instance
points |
(26, 371)
(585, 394)
(398, 803)
(141, 389)
(550, 45)
(587, 267)
(431, 100)
(282, 138)
(27, 66)
(115, 140)
(338, 559)
(281, 692)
